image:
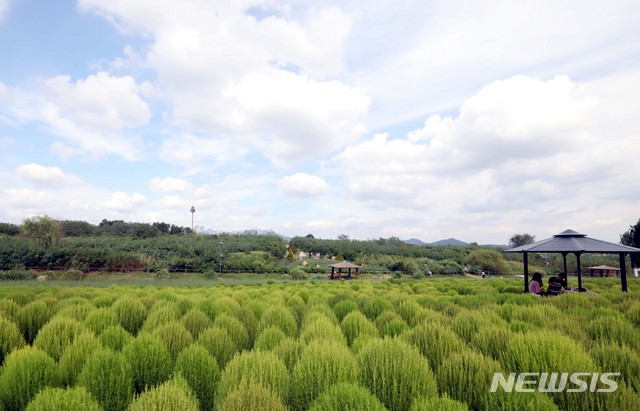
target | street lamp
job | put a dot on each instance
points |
(193, 210)
(221, 256)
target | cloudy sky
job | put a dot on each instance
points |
(417, 119)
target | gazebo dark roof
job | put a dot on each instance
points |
(572, 242)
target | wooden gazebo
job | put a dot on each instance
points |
(344, 267)
(603, 271)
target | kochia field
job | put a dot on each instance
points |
(432, 344)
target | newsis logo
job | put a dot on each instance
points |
(555, 382)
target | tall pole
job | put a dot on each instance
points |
(221, 255)
(193, 210)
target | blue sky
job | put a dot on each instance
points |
(416, 119)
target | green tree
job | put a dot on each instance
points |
(632, 239)
(43, 231)
(518, 240)
(487, 260)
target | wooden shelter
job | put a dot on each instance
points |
(572, 242)
(344, 267)
(603, 271)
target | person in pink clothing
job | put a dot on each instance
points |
(535, 285)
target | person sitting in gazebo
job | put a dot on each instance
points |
(557, 284)
(535, 285)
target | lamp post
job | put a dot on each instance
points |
(221, 256)
(193, 210)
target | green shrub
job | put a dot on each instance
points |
(100, 319)
(200, 370)
(115, 337)
(298, 274)
(75, 355)
(395, 372)
(269, 338)
(219, 344)
(70, 399)
(280, 317)
(492, 341)
(344, 307)
(467, 376)
(321, 328)
(439, 404)
(57, 335)
(261, 367)
(10, 337)
(355, 324)
(32, 317)
(376, 306)
(518, 401)
(131, 313)
(235, 328)
(289, 350)
(24, 372)
(160, 316)
(411, 312)
(175, 337)
(251, 396)
(196, 322)
(434, 341)
(150, 361)
(321, 364)
(615, 329)
(174, 394)
(9, 309)
(619, 358)
(108, 377)
(347, 396)
(489, 261)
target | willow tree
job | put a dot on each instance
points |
(43, 231)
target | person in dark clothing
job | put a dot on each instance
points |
(557, 284)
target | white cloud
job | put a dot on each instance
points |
(121, 201)
(303, 185)
(262, 83)
(169, 185)
(4, 7)
(51, 177)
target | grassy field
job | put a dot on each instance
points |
(264, 342)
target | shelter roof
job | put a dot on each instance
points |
(604, 267)
(570, 241)
(344, 264)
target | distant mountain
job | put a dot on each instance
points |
(415, 241)
(449, 241)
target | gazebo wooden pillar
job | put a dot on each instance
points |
(343, 267)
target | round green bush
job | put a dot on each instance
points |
(355, 324)
(70, 399)
(219, 344)
(196, 322)
(321, 364)
(150, 361)
(107, 376)
(174, 394)
(262, 367)
(375, 306)
(344, 307)
(175, 337)
(24, 372)
(434, 341)
(159, 316)
(439, 404)
(10, 337)
(269, 338)
(55, 336)
(280, 317)
(289, 350)
(131, 313)
(492, 341)
(395, 372)
(32, 317)
(321, 328)
(466, 376)
(74, 357)
(201, 372)
(519, 401)
(235, 328)
(100, 319)
(347, 396)
(115, 337)
(8, 309)
(251, 396)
